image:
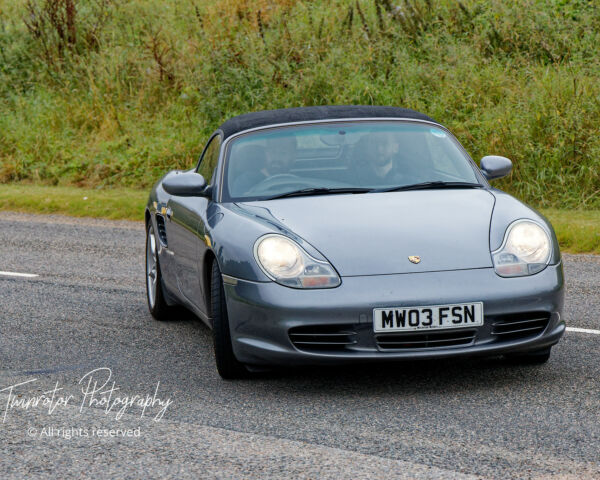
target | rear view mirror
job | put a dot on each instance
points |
(494, 166)
(333, 139)
(185, 184)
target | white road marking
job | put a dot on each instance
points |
(583, 330)
(33, 275)
(16, 274)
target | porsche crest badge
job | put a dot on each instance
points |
(414, 258)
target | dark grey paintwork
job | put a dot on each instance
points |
(261, 314)
(188, 184)
(428, 223)
(495, 166)
(367, 239)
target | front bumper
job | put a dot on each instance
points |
(261, 314)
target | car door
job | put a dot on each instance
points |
(185, 230)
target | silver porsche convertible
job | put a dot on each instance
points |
(330, 235)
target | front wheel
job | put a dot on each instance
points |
(227, 365)
(157, 304)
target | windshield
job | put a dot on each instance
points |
(345, 157)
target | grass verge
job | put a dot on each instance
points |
(578, 231)
(115, 204)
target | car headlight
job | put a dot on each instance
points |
(526, 250)
(284, 261)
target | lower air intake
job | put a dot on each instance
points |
(417, 341)
(520, 325)
(323, 337)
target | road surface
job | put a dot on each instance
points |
(82, 323)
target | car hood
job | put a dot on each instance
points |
(375, 233)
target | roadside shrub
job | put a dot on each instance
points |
(107, 92)
(62, 26)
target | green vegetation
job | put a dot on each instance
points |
(577, 230)
(107, 94)
(116, 92)
(114, 204)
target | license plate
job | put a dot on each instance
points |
(430, 317)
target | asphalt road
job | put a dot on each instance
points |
(85, 313)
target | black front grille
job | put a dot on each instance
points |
(411, 341)
(323, 337)
(162, 232)
(520, 325)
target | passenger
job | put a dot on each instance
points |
(257, 163)
(250, 163)
(281, 155)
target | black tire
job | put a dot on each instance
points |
(157, 304)
(227, 365)
(537, 357)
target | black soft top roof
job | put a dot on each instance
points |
(299, 114)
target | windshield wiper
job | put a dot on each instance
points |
(320, 191)
(429, 186)
(416, 186)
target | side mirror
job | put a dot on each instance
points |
(186, 184)
(494, 166)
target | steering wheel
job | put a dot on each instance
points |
(279, 180)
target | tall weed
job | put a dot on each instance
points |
(115, 92)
